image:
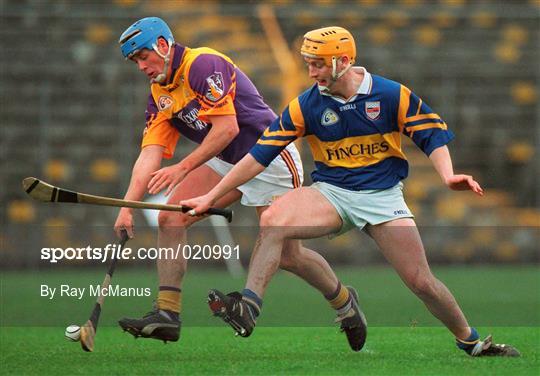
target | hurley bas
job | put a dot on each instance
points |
(93, 290)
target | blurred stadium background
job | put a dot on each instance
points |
(73, 111)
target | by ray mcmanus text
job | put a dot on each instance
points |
(65, 290)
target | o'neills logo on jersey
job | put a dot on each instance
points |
(353, 150)
(164, 102)
(373, 110)
(216, 86)
(329, 117)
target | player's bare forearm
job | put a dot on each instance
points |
(442, 162)
(242, 172)
(224, 130)
(149, 160)
(245, 170)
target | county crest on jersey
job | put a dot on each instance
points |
(373, 109)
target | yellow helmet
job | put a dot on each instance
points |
(329, 43)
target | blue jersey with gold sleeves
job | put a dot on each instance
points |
(356, 144)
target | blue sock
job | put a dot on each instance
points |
(254, 302)
(468, 343)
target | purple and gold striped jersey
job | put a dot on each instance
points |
(356, 144)
(204, 83)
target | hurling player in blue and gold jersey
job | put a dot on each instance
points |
(353, 122)
(200, 94)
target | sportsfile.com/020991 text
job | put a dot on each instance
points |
(113, 251)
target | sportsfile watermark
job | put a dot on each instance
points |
(112, 251)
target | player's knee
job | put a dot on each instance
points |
(272, 218)
(423, 285)
(173, 220)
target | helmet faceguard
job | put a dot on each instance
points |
(145, 34)
(329, 44)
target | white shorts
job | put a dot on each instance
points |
(370, 206)
(283, 174)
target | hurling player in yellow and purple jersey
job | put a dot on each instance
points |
(200, 94)
(353, 122)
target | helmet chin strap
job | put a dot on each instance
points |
(160, 78)
(335, 76)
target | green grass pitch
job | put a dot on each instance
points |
(295, 334)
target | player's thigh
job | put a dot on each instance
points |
(199, 182)
(400, 243)
(302, 213)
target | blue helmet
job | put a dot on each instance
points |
(144, 34)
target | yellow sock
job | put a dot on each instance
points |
(338, 299)
(170, 299)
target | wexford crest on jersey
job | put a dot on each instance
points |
(373, 110)
(215, 86)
